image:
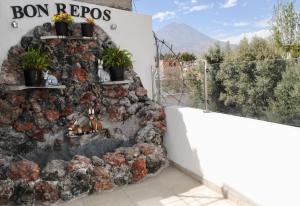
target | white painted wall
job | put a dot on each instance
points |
(134, 32)
(261, 160)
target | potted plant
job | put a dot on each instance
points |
(116, 60)
(87, 28)
(61, 21)
(33, 63)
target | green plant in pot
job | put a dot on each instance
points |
(87, 28)
(61, 21)
(33, 63)
(117, 61)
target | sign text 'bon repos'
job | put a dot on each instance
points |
(41, 10)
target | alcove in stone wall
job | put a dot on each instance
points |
(38, 160)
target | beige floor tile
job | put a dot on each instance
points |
(170, 188)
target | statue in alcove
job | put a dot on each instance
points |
(102, 74)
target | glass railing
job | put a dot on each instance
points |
(268, 90)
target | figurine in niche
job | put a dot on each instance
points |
(74, 129)
(95, 125)
(50, 80)
(102, 74)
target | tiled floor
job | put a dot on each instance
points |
(170, 188)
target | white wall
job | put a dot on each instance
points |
(134, 32)
(261, 160)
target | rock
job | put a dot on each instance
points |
(80, 74)
(155, 156)
(46, 192)
(87, 98)
(52, 115)
(23, 126)
(79, 162)
(6, 190)
(36, 107)
(117, 133)
(15, 99)
(114, 159)
(55, 170)
(130, 153)
(125, 102)
(134, 108)
(149, 134)
(161, 126)
(80, 183)
(141, 92)
(24, 170)
(23, 194)
(139, 170)
(100, 184)
(116, 113)
(132, 97)
(10, 140)
(38, 136)
(97, 161)
(100, 172)
(115, 91)
(146, 148)
(121, 175)
(154, 163)
(4, 164)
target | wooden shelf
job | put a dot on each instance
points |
(68, 37)
(116, 82)
(23, 87)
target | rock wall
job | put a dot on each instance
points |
(39, 161)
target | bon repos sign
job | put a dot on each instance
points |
(42, 10)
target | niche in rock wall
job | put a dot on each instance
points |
(38, 145)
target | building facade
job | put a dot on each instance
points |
(123, 4)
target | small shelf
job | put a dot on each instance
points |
(68, 37)
(23, 87)
(116, 82)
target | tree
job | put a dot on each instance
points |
(187, 57)
(286, 27)
(214, 58)
(249, 76)
(286, 106)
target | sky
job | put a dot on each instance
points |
(225, 20)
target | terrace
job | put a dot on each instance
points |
(82, 138)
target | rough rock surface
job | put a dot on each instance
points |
(40, 159)
(24, 170)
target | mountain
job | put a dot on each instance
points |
(184, 38)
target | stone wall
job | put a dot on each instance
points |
(41, 159)
(123, 4)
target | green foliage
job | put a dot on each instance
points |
(285, 27)
(116, 58)
(286, 105)
(249, 76)
(34, 59)
(187, 57)
(214, 58)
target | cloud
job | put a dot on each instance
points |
(237, 24)
(263, 23)
(199, 8)
(194, 1)
(264, 33)
(161, 16)
(229, 4)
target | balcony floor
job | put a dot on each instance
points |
(170, 188)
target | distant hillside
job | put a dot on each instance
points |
(184, 38)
